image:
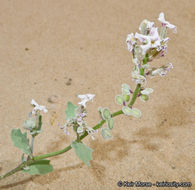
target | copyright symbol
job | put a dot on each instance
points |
(120, 183)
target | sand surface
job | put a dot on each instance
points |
(65, 48)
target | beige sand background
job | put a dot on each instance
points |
(46, 43)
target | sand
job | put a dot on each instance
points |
(64, 48)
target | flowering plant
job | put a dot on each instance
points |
(150, 43)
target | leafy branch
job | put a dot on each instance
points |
(44, 167)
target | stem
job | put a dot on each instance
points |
(17, 169)
(29, 162)
(32, 144)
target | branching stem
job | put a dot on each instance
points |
(32, 160)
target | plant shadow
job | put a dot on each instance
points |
(111, 151)
(168, 116)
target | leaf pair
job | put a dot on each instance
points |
(145, 94)
(124, 98)
(106, 115)
(131, 111)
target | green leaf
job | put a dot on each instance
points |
(70, 111)
(83, 152)
(131, 112)
(110, 123)
(30, 124)
(20, 140)
(144, 97)
(106, 133)
(40, 167)
(125, 89)
(126, 97)
(106, 114)
(119, 99)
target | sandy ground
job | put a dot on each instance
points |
(65, 48)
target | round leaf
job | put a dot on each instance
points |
(30, 124)
(131, 112)
(106, 133)
(119, 99)
(144, 97)
(106, 114)
(110, 123)
(126, 97)
(125, 89)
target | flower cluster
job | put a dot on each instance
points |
(150, 43)
(78, 123)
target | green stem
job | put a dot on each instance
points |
(32, 144)
(29, 162)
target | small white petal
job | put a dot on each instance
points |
(147, 91)
(161, 18)
(33, 102)
(38, 107)
(131, 41)
(145, 26)
(142, 38)
(85, 98)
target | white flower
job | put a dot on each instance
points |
(153, 38)
(161, 18)
(142, 38)
(162, 71)
(149, 41)
(154, 35)
(145, 26)
(130, 41)
(38, 107)
(85, 98)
